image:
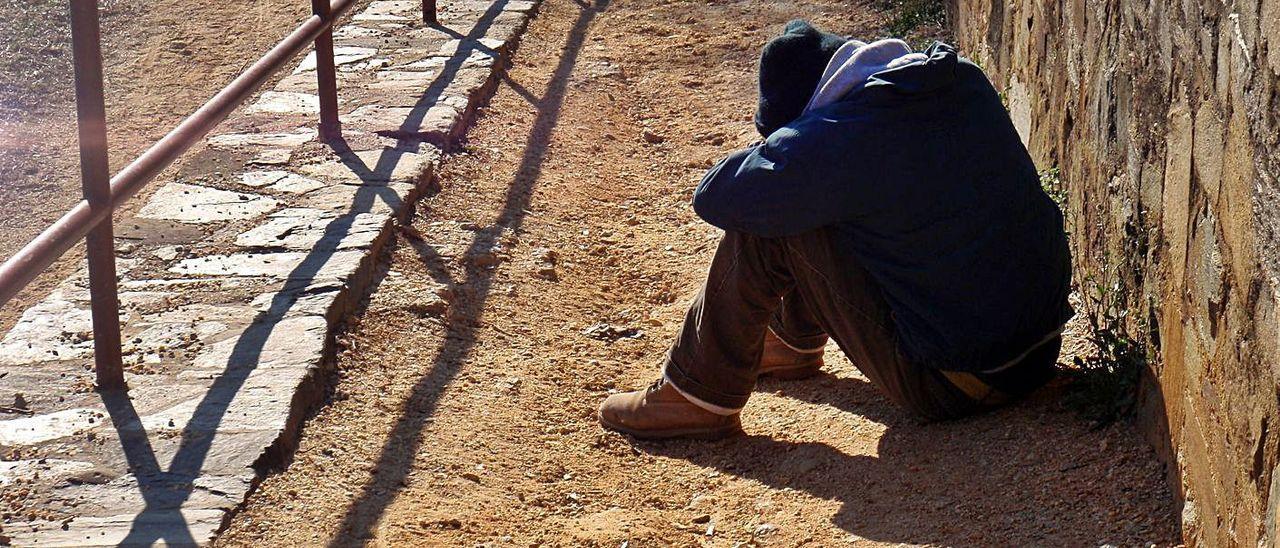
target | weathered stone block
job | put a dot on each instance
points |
(52, 330)
(280, 181)
(291, 265)
(198, 204)
(342, 55)
(381, 199)
(370, 167)
(321, 230)
(288, 140)
(41, 428)
(285, 102)
(270, 343)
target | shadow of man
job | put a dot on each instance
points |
(968, 482)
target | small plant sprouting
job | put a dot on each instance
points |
(1104, 383)
(1051, 183)
(910, 15)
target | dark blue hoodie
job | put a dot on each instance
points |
(923, 178)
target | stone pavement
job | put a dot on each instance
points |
(232, 277)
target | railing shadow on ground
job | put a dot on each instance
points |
(165, 491)
(402, 444)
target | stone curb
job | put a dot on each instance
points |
(233, 276)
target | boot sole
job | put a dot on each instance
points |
(726, 431)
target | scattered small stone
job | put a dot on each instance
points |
(653, 138)
(545, 255)
(513, 384)
(431, 305)
(546, 268)
(486, 258)
(704, 518)
(606, 332)
(272, 157)
(765, 529)
(451, 523)
(471, 477)
(547, 272)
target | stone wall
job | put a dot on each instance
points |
(1162, 117)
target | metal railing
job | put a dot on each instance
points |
(103, 194)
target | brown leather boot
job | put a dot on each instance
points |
(662, 412)
(782, 362)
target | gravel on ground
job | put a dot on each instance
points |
(553, 267)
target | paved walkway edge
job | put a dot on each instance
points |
(235, 276)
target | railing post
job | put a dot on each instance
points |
(326, 75)
(429, 12)
(95, 180)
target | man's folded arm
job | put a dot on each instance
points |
(772, 189)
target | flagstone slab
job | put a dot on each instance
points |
(40, 428)
(289, 140)
(30, 470)
(199, 204)
(114, 530)
(434, 124)
(342, 55)
(291, 265)
(285, 102)
(306, 228)
(289, 341)
(390, 11)
(379, 198)
(404, 80)
(52, 330)
(370, 166)
(272, 157)
(280, 181)
(354, 31)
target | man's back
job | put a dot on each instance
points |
(923, 177)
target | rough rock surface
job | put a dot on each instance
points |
(232, 276)
(1163, 119)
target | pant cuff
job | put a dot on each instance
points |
(700, 394)
(706, 406)
(809, 346)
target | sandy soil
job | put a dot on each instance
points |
(164, 58)
(464, 408)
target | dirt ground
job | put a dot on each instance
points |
(553, 268)
(163, 59)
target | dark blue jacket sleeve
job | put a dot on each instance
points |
(780, 187)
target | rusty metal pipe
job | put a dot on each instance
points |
(95, 178)
(429, 12)
(31, 260)
(326, 76)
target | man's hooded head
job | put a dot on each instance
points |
(790, 68)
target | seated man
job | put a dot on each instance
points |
(891, 207)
